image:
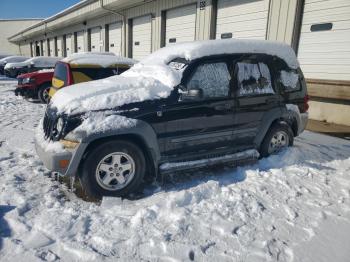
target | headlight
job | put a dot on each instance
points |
(27, 80)
(60, 125)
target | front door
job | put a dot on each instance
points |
(203, 124)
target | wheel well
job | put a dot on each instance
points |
(135, 139)
(291, 122)
(44, 84)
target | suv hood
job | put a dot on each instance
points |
(36, 74)
(135, 85)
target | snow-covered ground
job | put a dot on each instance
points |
(290, 207)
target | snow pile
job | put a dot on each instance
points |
(12, 59)
(114, 91)
(101, 59)
(41, 61)
(197, 49)
(49, 146)
(100, 122)
(289, 79)
(46, 70)
(294, 206)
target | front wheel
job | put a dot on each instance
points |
(43, 93)
(278, 137)
(114, 168)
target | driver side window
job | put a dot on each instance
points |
(212, 78)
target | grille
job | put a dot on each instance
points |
(48, 125)
(20, 80)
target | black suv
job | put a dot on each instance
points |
(228, 105)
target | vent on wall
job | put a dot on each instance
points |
(226, 35)
(321, 27)
(172, 40)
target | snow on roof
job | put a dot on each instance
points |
(102, 59)
(152, 78)
(40, 61)
(13, 59)
(197, 49)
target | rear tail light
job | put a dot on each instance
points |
(306, 104)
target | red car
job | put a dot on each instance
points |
(35, 85)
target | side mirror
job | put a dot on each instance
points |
(192, 94)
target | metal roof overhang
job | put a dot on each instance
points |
(75, 14)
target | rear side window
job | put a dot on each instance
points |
(96, 73)
(290, 80)
(61, 72)
(212, 78)
(253, 78)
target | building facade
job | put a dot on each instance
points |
(9, 27)
(318, 30)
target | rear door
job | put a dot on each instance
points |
(256, 97)
(201, 125)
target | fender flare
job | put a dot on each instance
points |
(142, 130)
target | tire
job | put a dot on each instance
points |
(43, 93)
(97, 183)
(279, 136)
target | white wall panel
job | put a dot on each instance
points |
(324, 54)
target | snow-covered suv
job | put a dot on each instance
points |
(186, 106)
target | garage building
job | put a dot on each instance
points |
(318, 30)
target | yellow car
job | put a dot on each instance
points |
(84, 67)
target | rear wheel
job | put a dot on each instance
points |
(43, 93)
(114, 168)
(279, 136)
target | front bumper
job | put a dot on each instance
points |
(52, 159)
(26, 92)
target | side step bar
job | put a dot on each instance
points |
(248, 156)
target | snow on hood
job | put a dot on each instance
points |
(136, 85)
(102, 59)
(41, 61)
(197, 49)
(12, 59)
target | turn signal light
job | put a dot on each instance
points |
(64, 163)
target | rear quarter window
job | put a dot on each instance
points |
(61, 72)
(96, 73)
(290, 80)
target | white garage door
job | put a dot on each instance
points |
(115, 38)
(95, 39)
(80, 42)
(242, 19)
(180, 25)
(60, 46)
(324, 47)
(52, 46)
(69, 49)
(141, 37)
